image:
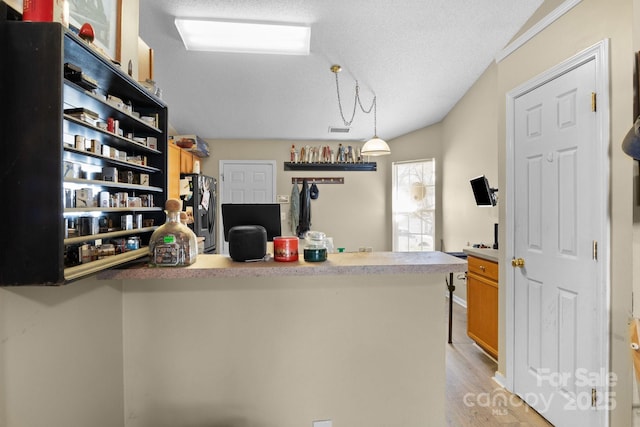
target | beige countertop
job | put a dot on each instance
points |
(484, 253)
(211, 266)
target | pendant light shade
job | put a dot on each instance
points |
(375, 147)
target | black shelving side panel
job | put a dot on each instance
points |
(32, 89)
(31, 154)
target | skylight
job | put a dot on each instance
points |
(243, 37)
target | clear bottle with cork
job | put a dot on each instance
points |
(173, 244)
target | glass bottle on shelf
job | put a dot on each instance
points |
(173, 244)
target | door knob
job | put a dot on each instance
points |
(517, 262)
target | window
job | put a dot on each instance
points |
(414, 204)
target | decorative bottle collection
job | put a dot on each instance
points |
(325, 154)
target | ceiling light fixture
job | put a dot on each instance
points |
(244, 37)
(375, 146)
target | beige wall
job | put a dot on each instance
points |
(356, 213)
(61, 355)
(353, 213)
(469, 141)
(470, 149)
(283, 352)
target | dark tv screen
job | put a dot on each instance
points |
(482, 192)
(264, 214)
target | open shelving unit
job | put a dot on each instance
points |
(43, 167)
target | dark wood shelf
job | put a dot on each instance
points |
(362, 167)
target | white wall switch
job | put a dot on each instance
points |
(322, 423)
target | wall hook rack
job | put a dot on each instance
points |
(335, 180)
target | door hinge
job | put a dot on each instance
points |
(595, 250)
(594, 398)
(594, 102)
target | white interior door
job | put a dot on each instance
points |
(558, 223)
(245, 182)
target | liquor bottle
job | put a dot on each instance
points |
(173, 244)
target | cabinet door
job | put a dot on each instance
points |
(173, 171)
(482, 313)
(186, 162)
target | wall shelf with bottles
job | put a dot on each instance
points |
(84, 156)
(367, 166)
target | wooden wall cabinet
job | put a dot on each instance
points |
(44, 167)
(179, 161)
(173, 171)
(482, 303)
(186, 161)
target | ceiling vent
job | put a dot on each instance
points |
(338, 130)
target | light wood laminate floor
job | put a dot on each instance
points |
(473, 399)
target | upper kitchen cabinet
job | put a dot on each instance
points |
(83, 158)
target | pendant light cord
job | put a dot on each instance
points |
(356, 102)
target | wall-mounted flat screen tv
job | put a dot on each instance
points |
(264, 214)
(483, 193)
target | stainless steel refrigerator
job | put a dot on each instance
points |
(198, 193)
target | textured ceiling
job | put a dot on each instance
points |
(419, 57)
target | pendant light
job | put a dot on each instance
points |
(375, 146)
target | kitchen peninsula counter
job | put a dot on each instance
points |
(210, 265)
(358, 339)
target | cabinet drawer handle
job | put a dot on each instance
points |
(482, 267)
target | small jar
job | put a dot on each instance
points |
(285, 249)
(315, 249)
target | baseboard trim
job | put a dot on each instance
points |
(499, 379)
(461, 302)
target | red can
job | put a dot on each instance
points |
(44, 10)
(285, 249)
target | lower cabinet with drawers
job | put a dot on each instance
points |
(482, 303)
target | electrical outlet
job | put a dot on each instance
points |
(322, 423)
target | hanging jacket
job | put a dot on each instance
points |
(305, 210)
(294, 209)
